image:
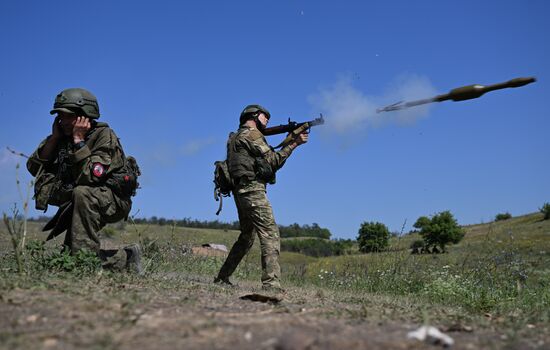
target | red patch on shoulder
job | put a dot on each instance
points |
(98, 169)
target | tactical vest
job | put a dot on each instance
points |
(55, 181)
(239, 162)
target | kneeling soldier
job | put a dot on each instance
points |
(80, 168)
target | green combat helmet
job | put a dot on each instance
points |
(76, 100)
(251, 111)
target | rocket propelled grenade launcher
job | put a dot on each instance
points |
(461, 94)
(293, 129)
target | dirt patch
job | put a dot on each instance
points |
(196, 315)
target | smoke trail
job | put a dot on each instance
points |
(348, 109)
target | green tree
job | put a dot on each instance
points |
(373, 237)
(503, 216)
(440, 230)
(545, 209)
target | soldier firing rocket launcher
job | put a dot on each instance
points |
(460, 94)
(293, 128)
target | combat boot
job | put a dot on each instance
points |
(133, 259)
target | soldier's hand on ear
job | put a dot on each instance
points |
(81, 127)
(57, 132)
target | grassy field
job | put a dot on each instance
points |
(491, 290)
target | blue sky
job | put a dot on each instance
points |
(172, 77)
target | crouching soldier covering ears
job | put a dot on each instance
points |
(81, 168)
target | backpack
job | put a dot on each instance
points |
(223, 184)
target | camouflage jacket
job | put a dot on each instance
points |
(90, 165)
(243, 149)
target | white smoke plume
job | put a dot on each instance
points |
(167, 154)
(193, 147)
(348, 109)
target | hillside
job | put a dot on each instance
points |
(490, 291)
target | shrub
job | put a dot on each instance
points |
(84, 261)
(545, 209)
(373, 237)
(317, 247)
(440, 230)
(109, 231)
(503, 216)
(417, 247)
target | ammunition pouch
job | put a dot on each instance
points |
(43, 187)
(124, 182)
(122, 185)
(48, 189)
(264, 171)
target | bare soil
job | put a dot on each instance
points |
(172, 311)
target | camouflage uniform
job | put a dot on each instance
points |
(255, 213)
(77, 176)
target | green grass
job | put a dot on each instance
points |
(500, 268)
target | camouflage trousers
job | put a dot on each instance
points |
(256, 218)
(93, 208)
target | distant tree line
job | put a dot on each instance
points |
(318, 247)
(188, 222)
(294, 230)
(41, 218)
